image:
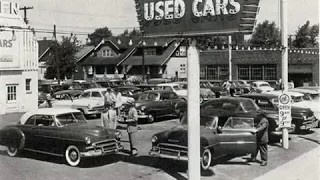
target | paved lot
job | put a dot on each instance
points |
(36, 166)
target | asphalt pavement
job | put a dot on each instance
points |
(283, 164)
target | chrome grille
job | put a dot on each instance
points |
(173, 149)
(107, 145)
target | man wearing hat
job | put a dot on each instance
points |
(132, 129)
(109, 98)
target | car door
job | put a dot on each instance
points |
(174, 99)
(28, 129)
(165, 104)
(236, 138)
(46, 134)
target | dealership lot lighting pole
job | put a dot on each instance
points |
(193, 67)
(284, 43)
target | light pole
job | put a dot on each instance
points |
(143, 71)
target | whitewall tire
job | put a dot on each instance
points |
(12, 151)
(206, 159)
(72, 155)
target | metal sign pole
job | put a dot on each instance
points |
(284, 41)
(193, 112)
(230, 57)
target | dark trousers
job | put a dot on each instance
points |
(263, 148)
(132, 140)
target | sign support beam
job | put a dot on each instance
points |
(284, 41)
(194, 170)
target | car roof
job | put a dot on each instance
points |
(260, 82)
(289, 93)
(168, 84)
(259, 95)
(46, 111)
(68, 92)
(95, 89)
(157, 91)
(309, 91)
(231, 99)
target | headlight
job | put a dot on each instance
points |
(304, 117)
(142, 108)
(89, 106)
(118, 135)
(87, 140)
(154, 139)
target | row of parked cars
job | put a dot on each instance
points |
(226, 123)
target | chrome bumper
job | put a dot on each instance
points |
(278, 131)
(101, 152)
(154, 153)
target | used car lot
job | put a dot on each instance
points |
(122, 166)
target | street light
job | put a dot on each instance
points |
(143, 73)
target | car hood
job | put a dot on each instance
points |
(87, 101)
(177, 135)
(182, 92)
(90, 130)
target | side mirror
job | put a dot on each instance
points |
(219, 129)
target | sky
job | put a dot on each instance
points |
(84, 16)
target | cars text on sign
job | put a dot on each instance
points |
(196, 17)
(285, 111)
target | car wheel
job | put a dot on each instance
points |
(72, 155)
(12, 151)
(151, 118)
(206, 159)
(201, 99)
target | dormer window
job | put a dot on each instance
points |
(106, 53)
(150, 51)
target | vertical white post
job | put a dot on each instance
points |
(230, 57)
(284, 42)
(193, 112)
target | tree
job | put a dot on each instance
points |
(306, 36)
(61, 62)
(266, 34)
(131, 34)
(98, 35)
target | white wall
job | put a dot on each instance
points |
(174, 65)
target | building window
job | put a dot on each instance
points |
(182, 68)
(270, 72)
(202, 72)
(150, 51)
(11, 93)
(181, 51)
(212, 72)
(256, 72)
(244, 72)
(106, 53)
(28, 85)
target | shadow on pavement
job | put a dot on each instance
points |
(309, 139)
(304, 132)
(226, 160)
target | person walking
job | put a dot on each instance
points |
(109, 98)
(109, 118)
(132, 129)
(118, 101)
(262, 140)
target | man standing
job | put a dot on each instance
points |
(109, 118)
(132, 129)
(109, 98)
(262, 140)
(118, 101)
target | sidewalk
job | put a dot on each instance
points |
(304, 167)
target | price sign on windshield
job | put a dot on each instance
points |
(284, 111)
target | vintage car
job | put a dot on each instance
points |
(129, 91)
(226, 107)
(88, 106)
(156, 103)
(205, 93)
(182, 93)
(146, 87)
(159, 80)
(59, 132)
(261, 87)
(302, 118)
(214, 85)
(243, 85)
(44, 89)
(218, 137)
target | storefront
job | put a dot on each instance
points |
(18, 62)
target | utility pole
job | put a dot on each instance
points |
(56, 60)
(284, 41)
(230, 57)
(25, 8)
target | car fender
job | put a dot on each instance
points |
(12, 136)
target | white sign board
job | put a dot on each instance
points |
(284, 111)
(9, 51)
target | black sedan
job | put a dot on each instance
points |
(59, 132)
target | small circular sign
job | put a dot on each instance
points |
(284, 98)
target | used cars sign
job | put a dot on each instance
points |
(196, 17)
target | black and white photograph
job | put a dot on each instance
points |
(159, 90)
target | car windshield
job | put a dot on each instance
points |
(314, 96)
(249, 106)
(177, 88)
(296, 98)
(205, 122)
(70, 118)
(264, 85)
(149, 97)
